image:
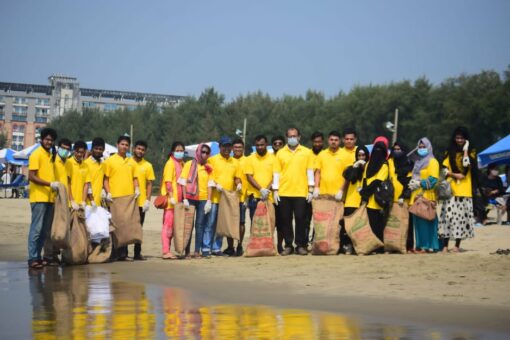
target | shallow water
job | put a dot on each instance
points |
(90, 302)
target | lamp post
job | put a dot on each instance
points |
(393, 127)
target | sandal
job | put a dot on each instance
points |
(37, 264)
(169, 256)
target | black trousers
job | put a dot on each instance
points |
(345, 240)
(293, 208)
(309, 215)
(123, 251)
(410, 233)
(279, 229)
(377, 223)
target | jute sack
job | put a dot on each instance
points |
(358, 229)
(100, 253)
(262, 230)
(77, 252)
(126, 220)
(183, 226)
(327, 214)
(395, 232)
(228, 215)
(60, 232)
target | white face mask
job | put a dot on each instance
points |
(292, 141)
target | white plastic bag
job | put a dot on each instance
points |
(98, 223)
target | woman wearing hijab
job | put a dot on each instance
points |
(461, 165)
(424, 178)
(353, 177)
(376, 171)
(169, 187)
(195, 182)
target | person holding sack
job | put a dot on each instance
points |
(424, 178)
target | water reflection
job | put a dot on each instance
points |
(89, 302)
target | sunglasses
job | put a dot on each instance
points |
(278, 143)
(205, 152)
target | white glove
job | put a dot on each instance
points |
(359, 163)
(339, 195)
(401, 201)
(316, 192)
(413, 184)
(83, 205)
(186, 203)
(219, 187)
(465, 161)
(444, 172)
(309, 197)
(466, 146)
(146, 205)
(93, 205)
(264, 193)
(54, 186)
(103, 194)
(75, 206)
(109, 197)
(137, 192)
(276, 197)
(89, 190)
(207, 207)
(239, 187)
(173, 202)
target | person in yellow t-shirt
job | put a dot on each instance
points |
(293, 183)
(457, 217)
(376, 171)
(144, 174)
(317, 140)
(329, 169)
(277, 143)
(120, 180)
(348, 151)
(96, 171)
(41, 174)
(78, 176)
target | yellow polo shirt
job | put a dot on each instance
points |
(432, 169)
(169, 175)
(292, 167)
(224, 173)
(463, 187)
(60, 171)
(120, 172)
(202, 177)
(261, 168)
(96, 174)
(331, 168)
(144, 173)
(348, 156)
(382, 175)
(244, 181)
(352, 197)
(40, 161)
(79, 175)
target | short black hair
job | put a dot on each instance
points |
(293, 128)
(64, 141)
(334, 133)
(142, 143)
(126, 138)
(98, 141)
(79, 144)
(48, 132)
(279, 137)
(175, 145)
(317, 134)
(238, 141)
(349, 131)
(260, 137)
(492, 166)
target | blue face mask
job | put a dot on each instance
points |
(64, 153)
(422, 152)
(179, 154)
(292, 141)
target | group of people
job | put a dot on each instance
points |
(288, 174)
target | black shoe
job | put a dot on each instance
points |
(139, 257)
(229, 251)
(301, 251)
(219, 254)
(239, 251)
(287, 251)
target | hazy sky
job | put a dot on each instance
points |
(278, 47)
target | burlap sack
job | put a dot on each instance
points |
(228, 215)
(100, 254)
(261, 241)
(126, 220)
(183, 227)
(395, 232)
(77, 252)
(327, 214)
(60, 232)
(358, 229)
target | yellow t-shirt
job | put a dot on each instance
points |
(382, 175)
(60, 171)
(331, 168)
(169, 175)
(96, 174)
(348, 156)
(79, 175)
(144, 172)
(261, 168)
(292, 167)
(40, 160)
(224, 173)
(432, 169)
(244, 181)
(202, 177)
(463, 187)
(315, 158)
(353, 198)
(394, 180)
(120, 172)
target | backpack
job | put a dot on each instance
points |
(384, 193)
(443, 190)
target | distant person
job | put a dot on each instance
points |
(278, 142)
(317, 139)
(348, 150)
(492, 192)
(96, 171)
(78, 176)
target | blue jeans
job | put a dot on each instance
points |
(210, 229)
(42, 218)
(200, 224)
(252, 206)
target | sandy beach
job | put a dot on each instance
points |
(468, 288)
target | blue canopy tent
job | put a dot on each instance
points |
(7, 156)
(498, 153)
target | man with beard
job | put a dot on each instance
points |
(96, 171)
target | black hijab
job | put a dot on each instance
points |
(402, 163)
(356, 174)
(377, 159)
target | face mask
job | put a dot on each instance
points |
(179, 154)
(64, 153)
(397, 153)
(494, 172)
(292, 141)
(423, 152)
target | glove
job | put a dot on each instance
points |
(264, 193)
(89, 190)
(207, 207)
(339, 195)
(137, 192)
(276, 197)
(401, 201)
(173, 202)
(54, 186)
(109, 197)
(316, 192)
(239, 187)
(359, 163)
(444, 172)
(93, 205)
(219, 187)
(413, 184)
(83, 205)
(103, 194)
(146, 205)
(465, 148)
(309, 197)
(185, 202)
(465, 161)
(75, 206)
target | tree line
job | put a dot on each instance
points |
(481, 102)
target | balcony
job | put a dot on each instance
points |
(19, 118)
(41, 119)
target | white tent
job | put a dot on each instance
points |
(25, 153)
(108, 149)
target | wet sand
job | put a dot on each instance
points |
(468, 289)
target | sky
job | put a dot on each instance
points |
(280, 47)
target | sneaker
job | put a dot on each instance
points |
(219, 254)
(206, 255)
(301, 251)
(287, 251)
(229, 252)
(239, 251)
(506, 223)
(478, 224)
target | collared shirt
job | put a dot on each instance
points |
(292, 167)
(224, 173)
(79, 175)
(144, 173)
(202, 177)
(96, 174)
(120, 172)
(169, 175)
(331, 168)
(261, 168)
(60, 171)
(462, 187)
(348, 156)
(244, 181)
(40, 161)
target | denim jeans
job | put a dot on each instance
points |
(210, 242)
(201, 220)
(252, 206)
(40, 226)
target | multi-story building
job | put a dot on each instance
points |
(26, 108)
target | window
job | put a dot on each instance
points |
(43, 102)
(19, 118)
(131, 107)
(41, 119)
(20, 100)
(18, 128)
(2, 116)
(89, 104)
(20, 110)
(2, 99)
(41, 111)
(110, 107)
(18, 136)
